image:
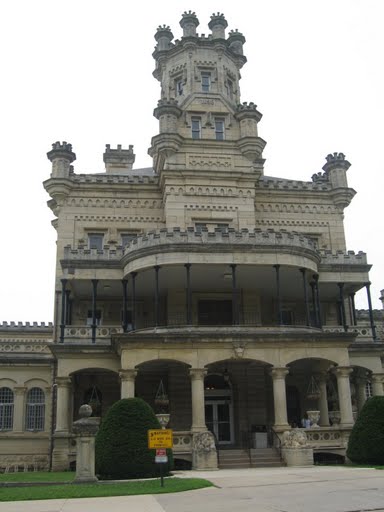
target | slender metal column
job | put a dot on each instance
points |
(189, 295)
(124, 282)
(94, 300)
(373, 327)
(157, 268)
(235, 301)
(133, 274)
(342, 306)
(307, 317)
(313, 285)
(63, 308)
(353, 307)
(278, 295)
(68, 307)
(316, 278)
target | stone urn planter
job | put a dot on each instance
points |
(314, 417)
(163, 419)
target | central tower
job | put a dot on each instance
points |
(206, 135)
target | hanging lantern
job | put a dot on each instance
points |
(313, 391)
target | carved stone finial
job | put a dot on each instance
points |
(85, 411)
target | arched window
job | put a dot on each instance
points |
(6, 409)
(35, 410)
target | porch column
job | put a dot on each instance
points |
(198, 408)
(124, 283)
(278, 295)
(371, 321)
(19, 407)
(64, 386)
(235, 298)
(94, 300)
(361, 384)
(157, 268)
(344, 390)
(323, 402)
(280, 396)
(127, 379)
(377, 384)
(68, 307)
(314, 307)
(63, 308)
(189, 296)
(307, 318)
(343, 319)
(316, 278)
(353, 308)
(133, 274)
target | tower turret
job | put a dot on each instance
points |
(61, 156)
(336, 172)
(218, 24)
(189, 24)
(164, 38)
(118, 161)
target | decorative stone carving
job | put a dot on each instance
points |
(204, 455)
(295, 438)
(295, 449)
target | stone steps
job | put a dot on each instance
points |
(260, 458)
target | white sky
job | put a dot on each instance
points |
(81, 71)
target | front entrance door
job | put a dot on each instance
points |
(218, 418)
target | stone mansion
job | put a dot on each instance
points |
(230, 291)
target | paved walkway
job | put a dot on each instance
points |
(314, 489)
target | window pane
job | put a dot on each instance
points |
(219, 129)
(196, 128)
(96, 241)
(35, 413)
(127, 237)
(6, 409)
(205, 82)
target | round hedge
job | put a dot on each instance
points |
(122, 442)
(366, 442)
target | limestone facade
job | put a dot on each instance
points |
(233, 288)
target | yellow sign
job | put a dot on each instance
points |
(160, 438)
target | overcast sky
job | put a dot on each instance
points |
(81, 71)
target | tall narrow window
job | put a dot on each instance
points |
(35, 414)
(6, 409)
(229, 88)
(219, 129)
(196, 128)
(179, 87)
(95, 241)
(205, 82)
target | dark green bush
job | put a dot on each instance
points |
(366, 443)
(122, 442)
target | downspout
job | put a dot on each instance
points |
(53, 387)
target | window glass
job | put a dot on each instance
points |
(229, 88)
(205, 82)
(219, 129)
(179, 87)
(6, 409)
(35, 413)
(95, 241)
(196, 128)
(199, 226)
(127, 237)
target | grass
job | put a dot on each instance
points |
(38, 476)
(101, 490)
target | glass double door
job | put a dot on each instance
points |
(218, 418)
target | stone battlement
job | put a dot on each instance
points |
(282, 184)
(110, 178)
(27, 326)
(340, 257)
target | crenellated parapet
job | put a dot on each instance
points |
(61, 156)
(119, 160)
(26, 326)
(189, 23)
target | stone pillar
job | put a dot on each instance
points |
(127, 379)
(280, 397)
(64, 386)
(344, 391)
(361, 384)
(19, 408)
(377, 384)
(85, 430)
(198, 409)
(323, 402)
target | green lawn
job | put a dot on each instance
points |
(100, 490)
(38, 476)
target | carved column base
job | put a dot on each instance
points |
(204, 454)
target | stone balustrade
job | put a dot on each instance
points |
(182, 442)
(75, 333)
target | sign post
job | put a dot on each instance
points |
(160, 440)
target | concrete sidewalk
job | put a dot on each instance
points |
(314, 489)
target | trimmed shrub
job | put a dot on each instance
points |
(366, 443)
(122, 442)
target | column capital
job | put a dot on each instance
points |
(127, 374)
(343, 371)
(197, 373)
(63, 381)
(377, 377)
(19, 390)
(279, 372)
